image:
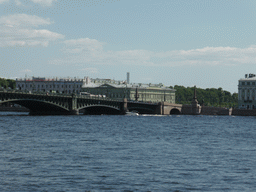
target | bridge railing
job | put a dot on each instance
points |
(99, 98)
(94, 97)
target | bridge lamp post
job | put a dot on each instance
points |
(107, 93)
(25, 84)
(145, 94)
(125, 92)
(33, 89)
(142, 95)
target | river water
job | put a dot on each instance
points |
(125, 153)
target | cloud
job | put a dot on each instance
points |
(44, 2)
(209, 56)
(21, 30)
(90, 70)
(40, 2)
(83, 45)
(24, 20)
(18, 3)
(26, 71)
(90, 51)
(3, 1)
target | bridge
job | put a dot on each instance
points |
(60, 104)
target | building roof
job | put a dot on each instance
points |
(137, 85)
(249, 77)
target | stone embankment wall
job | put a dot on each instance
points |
(188, 110)
(215, 111)
(202, 110)
(244, 112)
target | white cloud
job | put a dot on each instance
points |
(44, 2)
(91, 51)
(24, 2)
(24, 20)
(83, 45)
(26, 71)
(3, 1)
(18, 2)
(20, 30)
(90, 70)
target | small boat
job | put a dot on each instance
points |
(132, 113)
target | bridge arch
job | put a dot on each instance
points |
(175, 111)
(142, 110)
(38, 106)
(101, 109)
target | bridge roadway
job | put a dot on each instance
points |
(60, 104)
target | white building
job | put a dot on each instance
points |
(58, 85)
(247, 92)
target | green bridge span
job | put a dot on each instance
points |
(58, 104)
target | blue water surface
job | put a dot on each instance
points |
(127, 153)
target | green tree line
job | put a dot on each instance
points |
(5, 83)
(207, 97)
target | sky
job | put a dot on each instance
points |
(207, 43)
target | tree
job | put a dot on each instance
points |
(5, 83)
(208, 97)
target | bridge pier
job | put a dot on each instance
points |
(123, 107)
(74, 112)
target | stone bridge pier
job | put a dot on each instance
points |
(165, 108)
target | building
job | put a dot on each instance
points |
(58, 85)
(151, 93)
(247, 92)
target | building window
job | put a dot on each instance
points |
(243, 83)
(253, 83)
(248, 83)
